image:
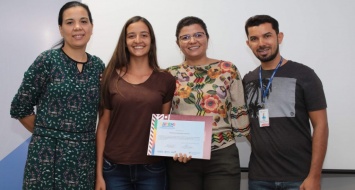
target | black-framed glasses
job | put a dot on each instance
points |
(187, 37)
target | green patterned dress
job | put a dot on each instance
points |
(61, 154)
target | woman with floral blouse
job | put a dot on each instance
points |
(207, 87)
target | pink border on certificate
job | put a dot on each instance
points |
(208, 130)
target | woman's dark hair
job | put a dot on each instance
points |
(121, 56)
(60, 16)
(187, 21)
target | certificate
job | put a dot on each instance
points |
(173, 134)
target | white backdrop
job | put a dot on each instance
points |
(318, 33)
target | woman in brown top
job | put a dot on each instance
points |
(133, 89)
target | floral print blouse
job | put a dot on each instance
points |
(214, 90)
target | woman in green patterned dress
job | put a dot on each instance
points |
(63, 85)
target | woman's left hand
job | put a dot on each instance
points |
(182, 158)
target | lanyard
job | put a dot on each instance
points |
(266, 91)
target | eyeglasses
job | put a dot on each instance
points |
(187, 37)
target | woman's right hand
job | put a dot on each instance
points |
(182, 158)
(28, 122)
(100, 183)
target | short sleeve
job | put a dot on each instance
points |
(171, 85)
(313, 91)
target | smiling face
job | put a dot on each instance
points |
(138, 39)
(264, 42)
(76, 28)
(196, 46)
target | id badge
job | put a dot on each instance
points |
(264, 118)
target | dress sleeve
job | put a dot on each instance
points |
(31, 89)
(171, 85)
(238, 114)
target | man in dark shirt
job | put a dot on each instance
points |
(282, 96)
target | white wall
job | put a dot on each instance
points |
(318, 33)
(27, 29)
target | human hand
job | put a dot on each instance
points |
(310, 184)
(100, 183)
(182, 158)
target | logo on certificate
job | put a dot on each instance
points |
(168, 124)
